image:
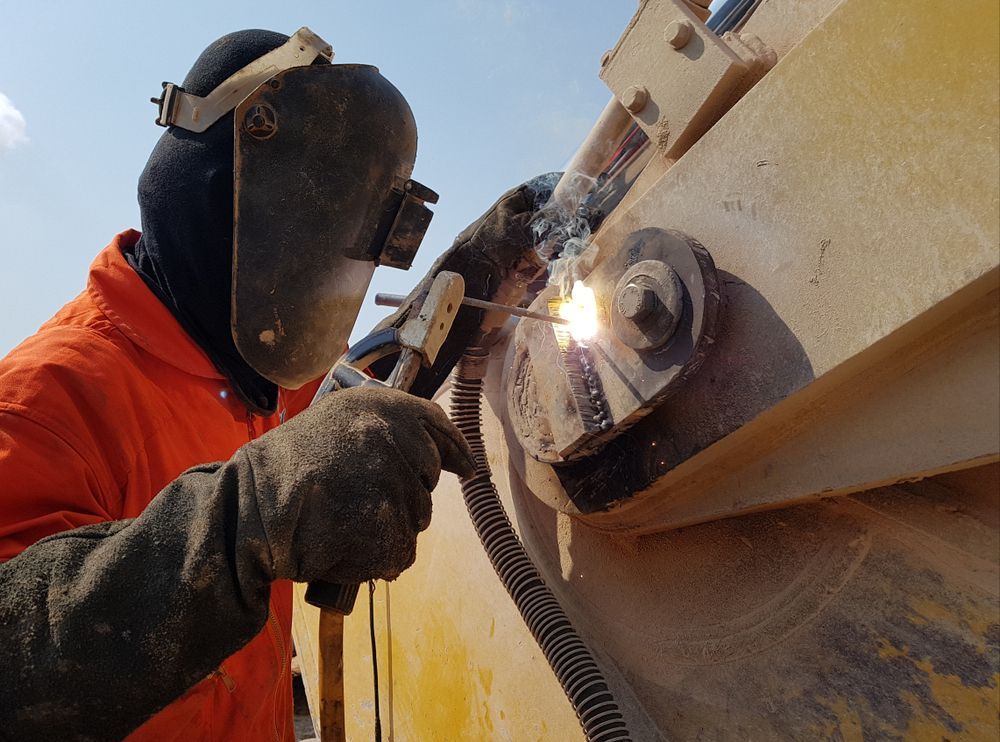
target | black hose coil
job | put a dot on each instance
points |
(570, 659)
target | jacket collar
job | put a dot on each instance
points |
(127, 302)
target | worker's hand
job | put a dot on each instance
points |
(500, 242)
(496, 256)
(105, 624)
(344, 488)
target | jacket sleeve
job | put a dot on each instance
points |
(46, 486)
(165, 597)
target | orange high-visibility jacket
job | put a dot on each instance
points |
(105, 405)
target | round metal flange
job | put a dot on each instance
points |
(657, 302)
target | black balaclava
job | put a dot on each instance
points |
(185, 253)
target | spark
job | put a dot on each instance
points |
(580, 308)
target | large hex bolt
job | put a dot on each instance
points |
(637, 302)
(634, 98)
(648, 302)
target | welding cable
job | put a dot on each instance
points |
(633, 138)
(371, 631)
(628, 156)
(634, 143)
(630, 132)
(731, 15)
(569, 657)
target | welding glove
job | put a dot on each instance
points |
(496, 257)
(106, 624)
(344, 488)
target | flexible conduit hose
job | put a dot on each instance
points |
(567, 655)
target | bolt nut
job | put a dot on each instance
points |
(636, 302)
(678, 34)
(648, 303)
(634, 98)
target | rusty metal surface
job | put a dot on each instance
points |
(873, 616)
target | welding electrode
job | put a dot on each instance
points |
(395, 300)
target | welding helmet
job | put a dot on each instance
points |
(321, 195)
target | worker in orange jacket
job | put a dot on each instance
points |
(147, 590)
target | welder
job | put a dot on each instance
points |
(155, 505)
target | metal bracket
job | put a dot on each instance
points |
(678, 92)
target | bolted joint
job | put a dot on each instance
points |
(634, 98)
(637, 302)
(678, 34)
(647, 305)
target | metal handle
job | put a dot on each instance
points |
(417, 341)
(332, 597)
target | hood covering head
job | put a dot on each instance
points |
(262, 238)
(186, 206)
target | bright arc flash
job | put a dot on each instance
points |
(580, 308)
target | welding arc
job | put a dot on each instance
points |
(396, 300)
(569, 657)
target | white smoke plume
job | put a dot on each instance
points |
(13, 127)
(564, 232)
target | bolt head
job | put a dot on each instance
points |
(634, 98)
(678, 34)
(636, 302)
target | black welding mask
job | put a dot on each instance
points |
(322, 195)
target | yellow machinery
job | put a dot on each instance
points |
(800, 539)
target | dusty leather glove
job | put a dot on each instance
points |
(496, 257)
(344, 488)
(106, 624)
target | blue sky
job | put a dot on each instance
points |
(501, 91)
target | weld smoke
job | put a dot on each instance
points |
(562, 229)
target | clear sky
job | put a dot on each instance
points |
(501, 91)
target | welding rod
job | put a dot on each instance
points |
(395, 300)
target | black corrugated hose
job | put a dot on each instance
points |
(570, 659)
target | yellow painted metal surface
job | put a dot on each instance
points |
(845, 199)
(873, 616)
(455, 660)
